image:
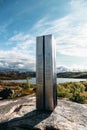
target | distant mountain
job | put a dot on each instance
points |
(62, 69)
(62, 72)
(10, 69)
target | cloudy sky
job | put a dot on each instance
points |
(22, 20)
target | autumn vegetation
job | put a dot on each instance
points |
(74, 91)
(20, 89)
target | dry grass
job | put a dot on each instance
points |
(84, 94)
(20, 89)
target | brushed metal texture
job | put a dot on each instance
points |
(50, 75)
(46, 93)
(39, 72)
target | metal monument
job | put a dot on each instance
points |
(46, 97)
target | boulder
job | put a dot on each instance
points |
(6, 92)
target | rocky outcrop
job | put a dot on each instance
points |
(21, 114)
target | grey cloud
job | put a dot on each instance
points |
(24, 64)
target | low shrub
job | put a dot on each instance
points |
(73, 91)
(78, 98)
(63, 92)
(12, 96)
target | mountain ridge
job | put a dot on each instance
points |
(8, 74)
(59, 69)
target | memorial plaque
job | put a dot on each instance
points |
(46, 97)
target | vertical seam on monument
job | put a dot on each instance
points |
(44, 73)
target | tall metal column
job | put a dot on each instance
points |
(46, 98)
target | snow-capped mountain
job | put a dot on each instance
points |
(62, 69)
(59, 69)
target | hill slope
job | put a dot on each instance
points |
(72, 75)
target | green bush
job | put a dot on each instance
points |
(27, 83)
(72, 91)
(78, 98)
(63, 92)
(12, 96)
(76, 87)
(18, 88)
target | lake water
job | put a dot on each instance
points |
(59, 80)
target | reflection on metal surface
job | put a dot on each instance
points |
(46, 98)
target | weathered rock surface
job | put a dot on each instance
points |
(21, 114)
